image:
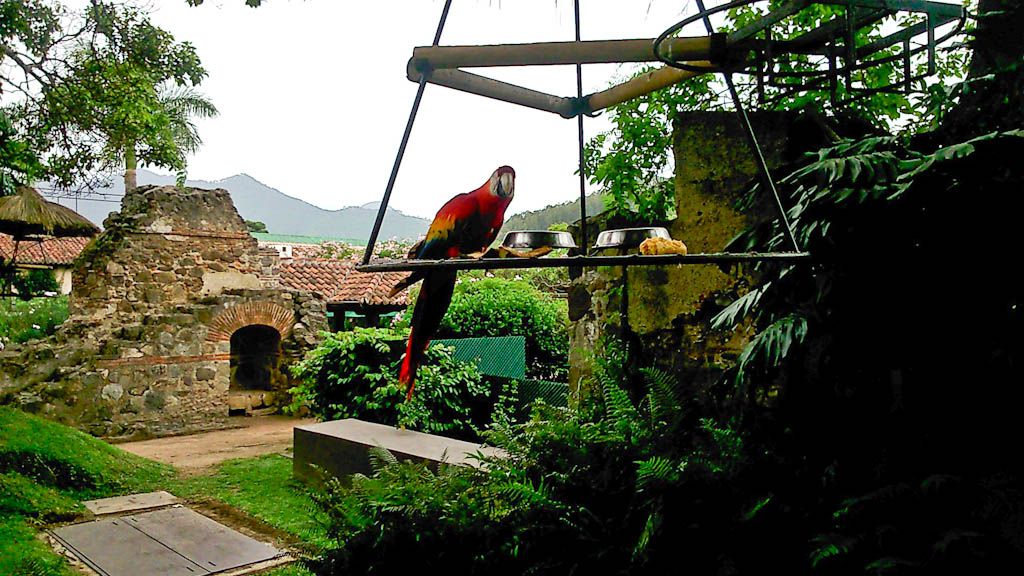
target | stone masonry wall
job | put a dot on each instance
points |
(663, 313)
(156, 298)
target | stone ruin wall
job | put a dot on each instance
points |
(156, 299)
(664, 313)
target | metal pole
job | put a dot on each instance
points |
(766, 175)
(401, 148)
(579, 124)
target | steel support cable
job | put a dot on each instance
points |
(579, 124)
(405, 141)
(766, 175)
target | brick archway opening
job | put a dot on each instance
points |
(265, 313)
(255, 358)
(254, 331)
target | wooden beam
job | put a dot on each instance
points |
(554, 53)
(480, 85)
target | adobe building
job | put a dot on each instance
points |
(176, 318)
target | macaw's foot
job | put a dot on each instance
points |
(503, 252)
(473, 255)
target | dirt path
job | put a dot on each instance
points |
(198, 452)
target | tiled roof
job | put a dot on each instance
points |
(339, 281)
(47, 251)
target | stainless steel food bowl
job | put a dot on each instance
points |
(628, 238)
(531, 239)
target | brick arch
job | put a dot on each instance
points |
(247, 314)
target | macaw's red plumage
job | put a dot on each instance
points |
(465, 225)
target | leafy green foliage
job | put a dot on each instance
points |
(256, 226)
(34, 283)
(857, 375)
(354, 374)
(484, 306)
(18, 163)
(37, 318)
(630, 162)
(88, 84)
(589, 490)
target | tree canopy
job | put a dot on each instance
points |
(79, 87)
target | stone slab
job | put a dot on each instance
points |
(169, 542)
(341, 448)
(131, 503)
(113, 547)
(201, 540)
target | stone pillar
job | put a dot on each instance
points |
(664, 312)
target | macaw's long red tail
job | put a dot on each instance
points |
(432, 303)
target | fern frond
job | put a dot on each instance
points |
(738, 309)
(883, 496)
(381, 459)
(829, 546)
(773, 344)
(623, 415)
(655, 473)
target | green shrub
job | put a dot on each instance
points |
(21, 321)
(35, 283)
(499, 307)
(613, 488)
(354, 374)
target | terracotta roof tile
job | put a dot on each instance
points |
(339, 281)
(47, 251)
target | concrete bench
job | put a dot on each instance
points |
(342, 448)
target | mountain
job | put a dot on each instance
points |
(281, 213)
(567, 212)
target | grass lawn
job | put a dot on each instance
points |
(46, 470)
(264, 488)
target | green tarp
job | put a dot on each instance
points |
(503, 356)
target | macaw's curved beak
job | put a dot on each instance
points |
(506, 184)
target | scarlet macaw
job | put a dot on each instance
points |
(466, 225)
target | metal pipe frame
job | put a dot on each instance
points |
(555, 53)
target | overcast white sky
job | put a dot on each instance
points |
(313, 95)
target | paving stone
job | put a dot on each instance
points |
(131, 503)
(170, 542)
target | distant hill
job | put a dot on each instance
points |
(567, 212)
(281, 213)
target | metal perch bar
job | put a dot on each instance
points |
(555, 53)
(564, 261)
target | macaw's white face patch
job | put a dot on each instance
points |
(503, 181)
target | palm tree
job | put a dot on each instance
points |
(181, 104)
